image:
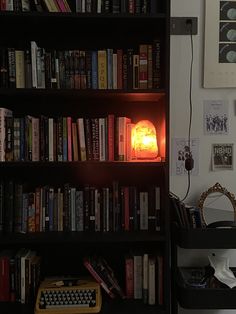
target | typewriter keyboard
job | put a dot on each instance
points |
(82, 298)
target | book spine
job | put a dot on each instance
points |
(149, 67)
(81, 136)
(9, 139)
(152, 280)
(129, 277)
(156, 64)
(143, 66)
(138, 270)
(79, 210)
(145, 278)
(69, 139)
(98, 278)
(111, 137)
(4, 71)
(109, 68)
(94, 69)
(88, 138)
(4, 279)
(143, 200)
(4, 112)
(135, 71)
(12, 67)
(114, 67)
(20, 68)
(102, 69)
(119, 68)
(34, 64)
(102, 143)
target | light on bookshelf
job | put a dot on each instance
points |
(144, 140)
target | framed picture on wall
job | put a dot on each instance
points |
(220, 44)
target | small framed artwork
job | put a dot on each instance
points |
(222, 157)
(220, 44)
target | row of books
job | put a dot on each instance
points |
(65, 139)
(144, 277)
(87, 208)
(36, 67)
(83, 6)
(186, 216)
(19, 275)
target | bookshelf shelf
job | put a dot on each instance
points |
(125, 307)
(81, 237)
(130, 197)
(64, 15)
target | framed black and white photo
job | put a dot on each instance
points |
(216, 118)
(220, 44)
(222, 157)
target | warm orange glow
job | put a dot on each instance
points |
(144, 140)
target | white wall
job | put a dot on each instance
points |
(179, 115)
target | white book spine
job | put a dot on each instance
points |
(102, 137)
(99, 6)
(9, 5)
(50, 138)
(34, 64)
(152, 281)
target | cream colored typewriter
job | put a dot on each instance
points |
(68, 295)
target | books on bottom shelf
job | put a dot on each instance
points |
(144, 277)
(104, 275)
(19, 275)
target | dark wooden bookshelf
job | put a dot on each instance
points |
(62, 237)
(62, 252)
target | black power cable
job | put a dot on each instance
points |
(189, 162)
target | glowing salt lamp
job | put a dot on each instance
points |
(144, 140)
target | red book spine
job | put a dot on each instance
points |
(129, 277)
(61, 5)
(111, 137)
(4, 279)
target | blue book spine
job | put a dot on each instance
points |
(94, 69)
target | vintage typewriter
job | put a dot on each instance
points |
(68, 295)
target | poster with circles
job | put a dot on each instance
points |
(220, 44)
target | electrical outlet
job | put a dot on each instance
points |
(182, 25)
